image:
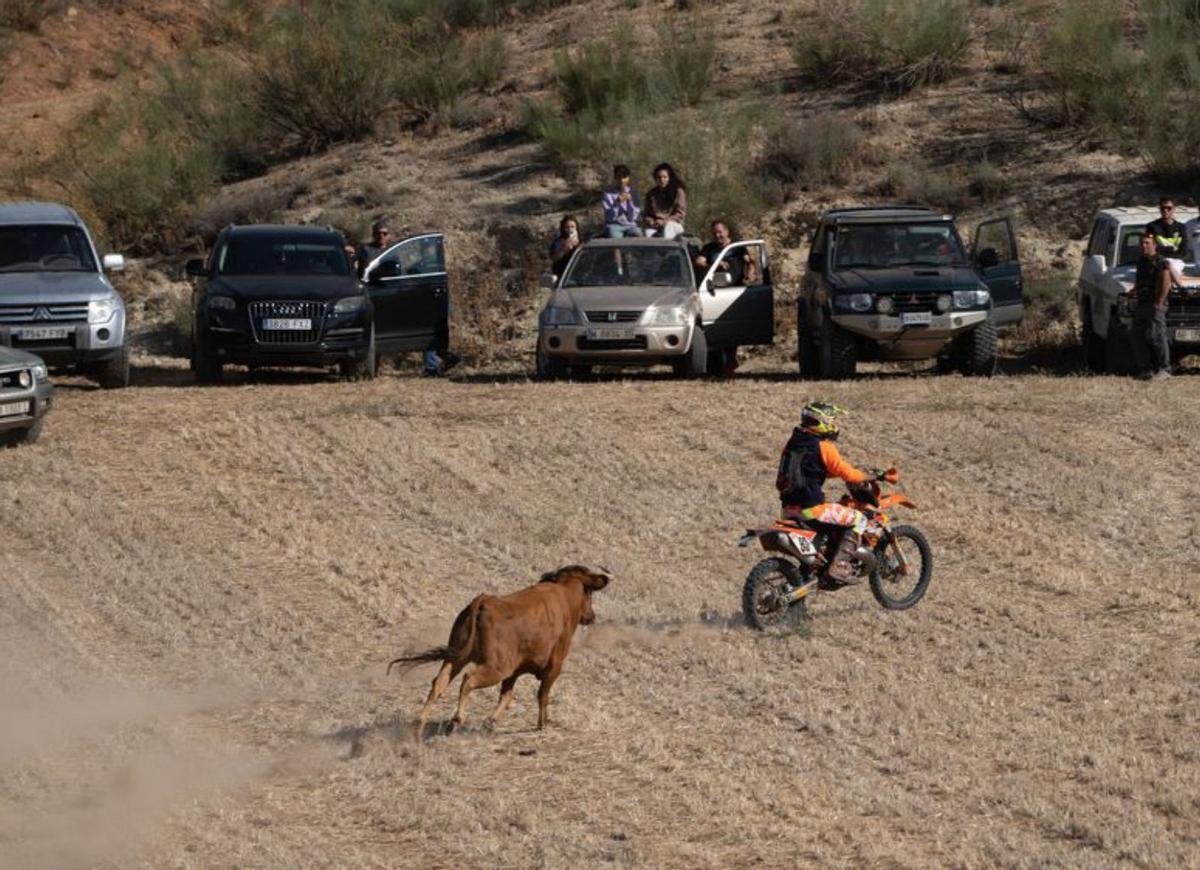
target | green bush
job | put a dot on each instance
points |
(597, 76)
(684, 68)
(898, 44)
(945, 190)
(812, 152)
(431, 84)
(1090, 68)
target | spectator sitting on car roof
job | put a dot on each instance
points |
(564, 244)
(381, 238)
(666, 203)
(621, 206)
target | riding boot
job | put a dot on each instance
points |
(841, 568)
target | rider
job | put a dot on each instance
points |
(809, 457)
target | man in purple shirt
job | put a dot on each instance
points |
(622, 208)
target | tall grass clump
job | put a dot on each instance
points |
(324, 73)
(1090, 68)
(450, 14)
(28, 14)
(685, 65)
(897, 44)
(806, 153)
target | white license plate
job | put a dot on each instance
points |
(916, 318)
(610, 332)
(1187, 335)
(42, 333)
(301, 324)
(7, 410)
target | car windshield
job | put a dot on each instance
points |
(281, 255)
(885, 246)
(621, 266)
(45, 248)
(1131, 245)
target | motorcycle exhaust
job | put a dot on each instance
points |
(867, 558)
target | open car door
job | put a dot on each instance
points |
(409, 290)
(994, 255)
(739, 310)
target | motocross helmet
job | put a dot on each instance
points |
(820, 419)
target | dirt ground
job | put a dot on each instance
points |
(201, 589)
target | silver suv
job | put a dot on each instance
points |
(55, 300)
(25, 397)
(644, 302)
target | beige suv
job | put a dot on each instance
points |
(641, 302)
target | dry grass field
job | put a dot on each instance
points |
(201, 588)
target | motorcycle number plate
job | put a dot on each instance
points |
(803, 543)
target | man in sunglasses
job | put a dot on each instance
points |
(381, 240)
(1168, 232)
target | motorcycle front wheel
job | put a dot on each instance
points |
(900, 591)
(761, 605)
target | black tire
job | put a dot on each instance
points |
(694, 363)
(808, 354)
(22, 436)
(114, 374)
(549, 368)
(883, 577)
(978, 351)
(1093, 345)
(363, 369)
(762, 584)
(1118, 349)
(837, 353)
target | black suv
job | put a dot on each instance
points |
(896, 283)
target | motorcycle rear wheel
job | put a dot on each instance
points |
(888, 585)
(760, 595)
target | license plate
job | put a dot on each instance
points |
(301, 324)
(12, 408)
(42, 333)
(610, 332)
(916, 318)
(1187, 335)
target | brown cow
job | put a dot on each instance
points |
(528, 632)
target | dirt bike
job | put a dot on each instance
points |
(896, 560)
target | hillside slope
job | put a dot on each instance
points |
(202, 586)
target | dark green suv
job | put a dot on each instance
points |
(897, 283)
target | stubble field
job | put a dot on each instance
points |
(201, 588)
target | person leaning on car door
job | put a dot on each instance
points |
(1151, 288)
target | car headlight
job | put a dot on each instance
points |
(102, 310)
(350, 303)
(39, 372)
(559, 317)
(25, 379)
(222, 303)
(944, 302)
(971, 298)
(885, 305)
(675, 316)
(855, 301)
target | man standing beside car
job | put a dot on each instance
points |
(381, 238)
(1151, 288)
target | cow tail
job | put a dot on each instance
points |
(462, 642)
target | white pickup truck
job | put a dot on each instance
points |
(1104, 297)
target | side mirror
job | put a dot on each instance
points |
(988, 258)
(1095, 263)
(720, 280)
(193, 267)
(816, 262)
(547, 280)
(114, 263)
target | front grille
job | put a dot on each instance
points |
(1186, 306)
(636, 343)
(260, 311)
(923, 300)
(70, 313)
(613, 316)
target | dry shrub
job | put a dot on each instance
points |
(812, 152)
(897, 44)
(28, 14)
(945, 190)
(251, 203)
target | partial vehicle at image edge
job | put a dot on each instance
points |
(55, 299)
(26, 395)
(641, 302)
(1104, 292)
(896, 283)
